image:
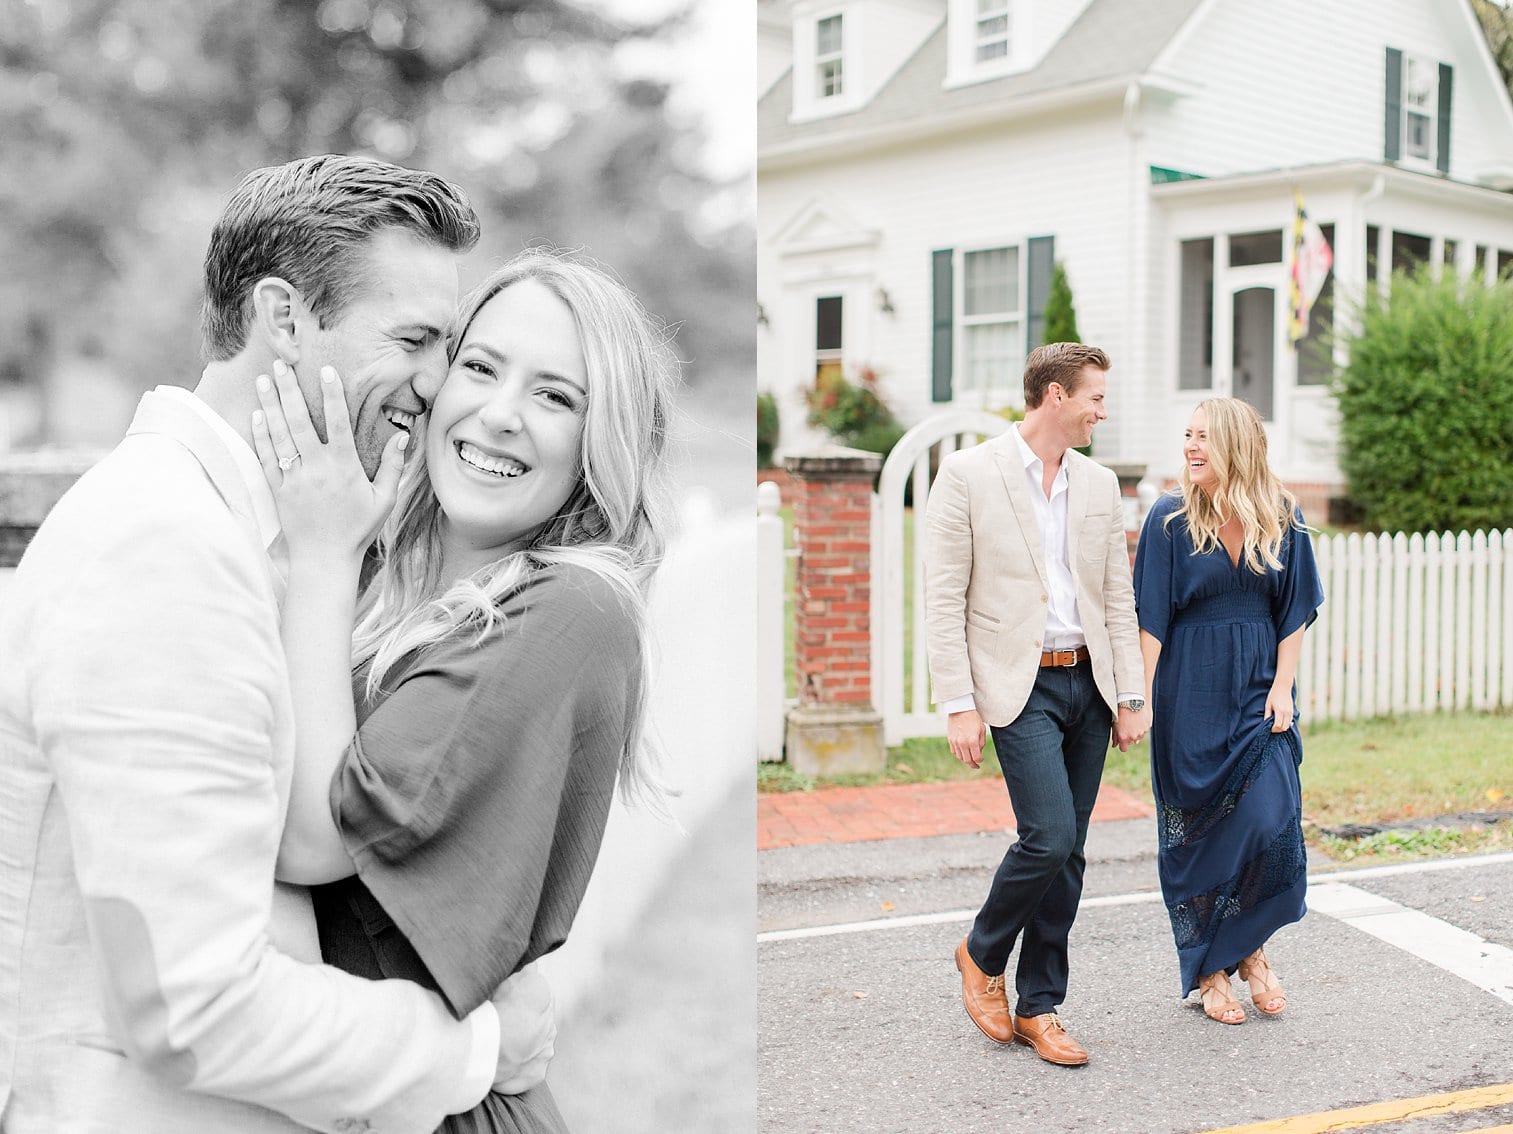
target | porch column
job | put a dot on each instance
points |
(1130, 476)
(834, 728)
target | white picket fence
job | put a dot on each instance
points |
(772, 618)
(1410, 624)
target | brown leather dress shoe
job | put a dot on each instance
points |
(1049, 1039)
(984, 998)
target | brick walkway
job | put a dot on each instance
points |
(895, 811)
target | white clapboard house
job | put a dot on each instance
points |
(923, 163)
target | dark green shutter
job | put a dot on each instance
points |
(1394, 104)
(941, 329)
(1039, 265)
(1442, 159)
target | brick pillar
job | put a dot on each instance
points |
(30, 484)
(834, 729)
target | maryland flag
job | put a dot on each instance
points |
(1311, 261)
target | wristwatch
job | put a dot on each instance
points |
(1133, 704)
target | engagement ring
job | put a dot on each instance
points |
(287, 463)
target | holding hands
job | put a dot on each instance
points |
(1131, 726)
(326, 504)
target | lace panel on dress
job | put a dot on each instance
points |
(1275, 870)
(1178, 826)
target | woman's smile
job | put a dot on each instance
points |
(497, 465)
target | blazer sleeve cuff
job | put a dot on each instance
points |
(483, 1058)
(959, 704)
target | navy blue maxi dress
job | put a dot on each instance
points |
(1228, 800)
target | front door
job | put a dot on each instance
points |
(1253, 377)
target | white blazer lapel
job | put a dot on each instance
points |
(1012, 470)
(166, 417)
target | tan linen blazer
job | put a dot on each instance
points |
(151, 975)
(986, 596)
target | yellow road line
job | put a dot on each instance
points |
(1478, 1098)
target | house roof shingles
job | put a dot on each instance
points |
(1109, 40)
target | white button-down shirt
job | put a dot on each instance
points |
(1063, 624)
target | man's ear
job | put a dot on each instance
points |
(279, 314)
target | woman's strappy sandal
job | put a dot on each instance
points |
(1218, 999)
(1265, 990)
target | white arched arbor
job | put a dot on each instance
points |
(900, 671)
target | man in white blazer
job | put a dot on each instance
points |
(153, 976)
(1030, 617)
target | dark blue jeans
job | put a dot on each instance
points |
(1052, 757)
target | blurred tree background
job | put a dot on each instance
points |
(125, 123)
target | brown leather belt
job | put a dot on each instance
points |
(1063, 657)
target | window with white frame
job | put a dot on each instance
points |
(1420, 98)
(992, 323)
(991, 30)
(829, 77)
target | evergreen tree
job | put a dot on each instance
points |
(1060, 313)
(1061, 319)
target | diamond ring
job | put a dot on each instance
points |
(287, 463)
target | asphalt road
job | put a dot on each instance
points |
(865, 1031)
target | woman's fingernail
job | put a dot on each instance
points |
(257, 417)
(279, 366)
(404, 442)
(327, 374)
(263, 383)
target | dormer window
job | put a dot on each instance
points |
(1419, 98)
(992, 30)
(1420, 78)
(828, 58)
(986, 39)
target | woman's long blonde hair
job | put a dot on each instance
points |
(615, 522)
(1246, 488)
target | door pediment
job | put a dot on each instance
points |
(824, 225)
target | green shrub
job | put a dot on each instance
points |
(879, 437)
(766, 429)
(1426, 406)
(854, 413)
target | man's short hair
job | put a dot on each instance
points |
(308, 222)
(1062, 363)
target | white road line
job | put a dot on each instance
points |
(934, 919)
(1457, 951)
(1428, 866)
(1139, 897)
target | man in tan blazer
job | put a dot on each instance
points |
(154, 979)
(1030, 617)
